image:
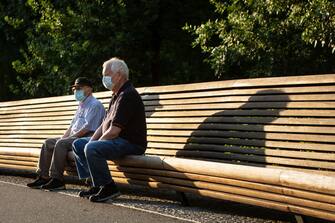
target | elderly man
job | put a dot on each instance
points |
(123, 132)
(87, 119)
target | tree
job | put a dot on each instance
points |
(66, 39)
(253, 38)
(12, 38)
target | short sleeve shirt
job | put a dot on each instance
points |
(126, 110)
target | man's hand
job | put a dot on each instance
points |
(97, 134)
(67, 133)
(80, 133)
(111, 133)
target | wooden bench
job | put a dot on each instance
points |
(268, 142)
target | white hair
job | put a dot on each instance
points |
(117, 65)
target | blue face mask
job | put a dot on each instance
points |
(79, 95)
(107, 82)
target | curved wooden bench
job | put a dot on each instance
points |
(268, 142)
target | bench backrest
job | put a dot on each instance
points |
(279, 122)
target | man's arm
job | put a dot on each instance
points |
(82, 132)
(97, 134)
(67, 132)
(111, 133)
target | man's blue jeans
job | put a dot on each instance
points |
(91, 157)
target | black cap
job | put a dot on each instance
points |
(82, 81)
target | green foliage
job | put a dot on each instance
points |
(66, 39)
(268, 37)
(46, 44)
(11, 40)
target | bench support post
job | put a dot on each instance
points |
(300, 219)
(182, 198)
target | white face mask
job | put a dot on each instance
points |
(107, 82)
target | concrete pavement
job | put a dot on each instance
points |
(21, 204)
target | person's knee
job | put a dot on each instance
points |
(90, 149)
(78, 145)
(61, 143)
(49, 141)
(47, 145)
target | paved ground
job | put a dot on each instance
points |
(20, 205)
(137, 204)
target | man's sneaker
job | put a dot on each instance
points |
(105, 193)
(38, 183)
(54, 184)
(88, 193)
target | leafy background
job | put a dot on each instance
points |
(46, 44)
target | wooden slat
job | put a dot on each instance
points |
(247, 120)
(246, 143)
(40, 127)
(38, 123)
(318, 171)
(22, 151)
(37, 101)
(19, 158)
(15, 162)
(264, 105)
(241, 127)
(243, 83)
(43, 114)
(38, 119)
(241, 134)
(39, 110)
(20, 145)
(257, 151)
(245, 99)
(245, 112)
(49, 105)
(248, 158)
(27, 136)
(241, 92)
(21, 140)
(56, 99)
(17, 167)
(25, 132)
